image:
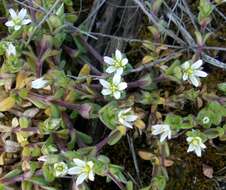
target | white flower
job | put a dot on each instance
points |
(18, 19)
(117, 63)
(192, 72)
(113, 88)
(196, 145)
(39, 83)
(126, 119)
(163, 130)
(60, 169)
(83, 169)
(10, 49)
(43, 158)
(206, 120)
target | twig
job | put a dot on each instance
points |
(42, 21)
(30, 7)
(161, 60)
(131, 146)
(156, 22)
(92, 51)
(118, 183)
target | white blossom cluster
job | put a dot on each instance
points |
(195, 142)
(116, 65)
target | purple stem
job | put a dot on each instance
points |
(28, 129)
(118, 183)
(72, 130)
(73, 54)
(101, 144)
(92, 51)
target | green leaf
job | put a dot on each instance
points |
(129, 185)
(26, 185)
(158, 183)
(214, 132)
(108, 115)
(101, 168)
(84, 137)
(87, 151)
(13, 173)
(222, 87)
(48, 172)
(114, 137)
(38, 180)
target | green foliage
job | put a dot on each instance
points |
(108, 115)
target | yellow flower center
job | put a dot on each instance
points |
(190, 71)
(60, 168)
(17, 21)
(196, 141)
(87, 169)
(113, 88)
(118, 63)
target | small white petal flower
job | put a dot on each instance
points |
(192, 72)
(60, 169)
(83, 170)
(10, 49)
(195, 145)
(39, 83)
(117, 63)
(18, 19)
(114, 87)
(126, 119)
(163, 130)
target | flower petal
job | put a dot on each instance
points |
(91, 176)
(106, 92)
(202, 145)
(119, 71)
(185, 76)
(22, 14)
(189, 139)
(108, 60)
(26, 21)
(39, 83)
(118, 55)
(117, 95)
(191, 148)
(75, 170)
(169, 134)
(156, 132)
(104, 83)
(122, 86)
(197, 64)
(125, 61)
(185, 65)
(198, 151)
(12, 13)
(163, 136)
(90, 164)
(9, 23)
(111, 69)
(81, 178)
(127, 124)
(131, 118)
(79, 162)
(116, 79)
(200, 73)
(194, 81)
